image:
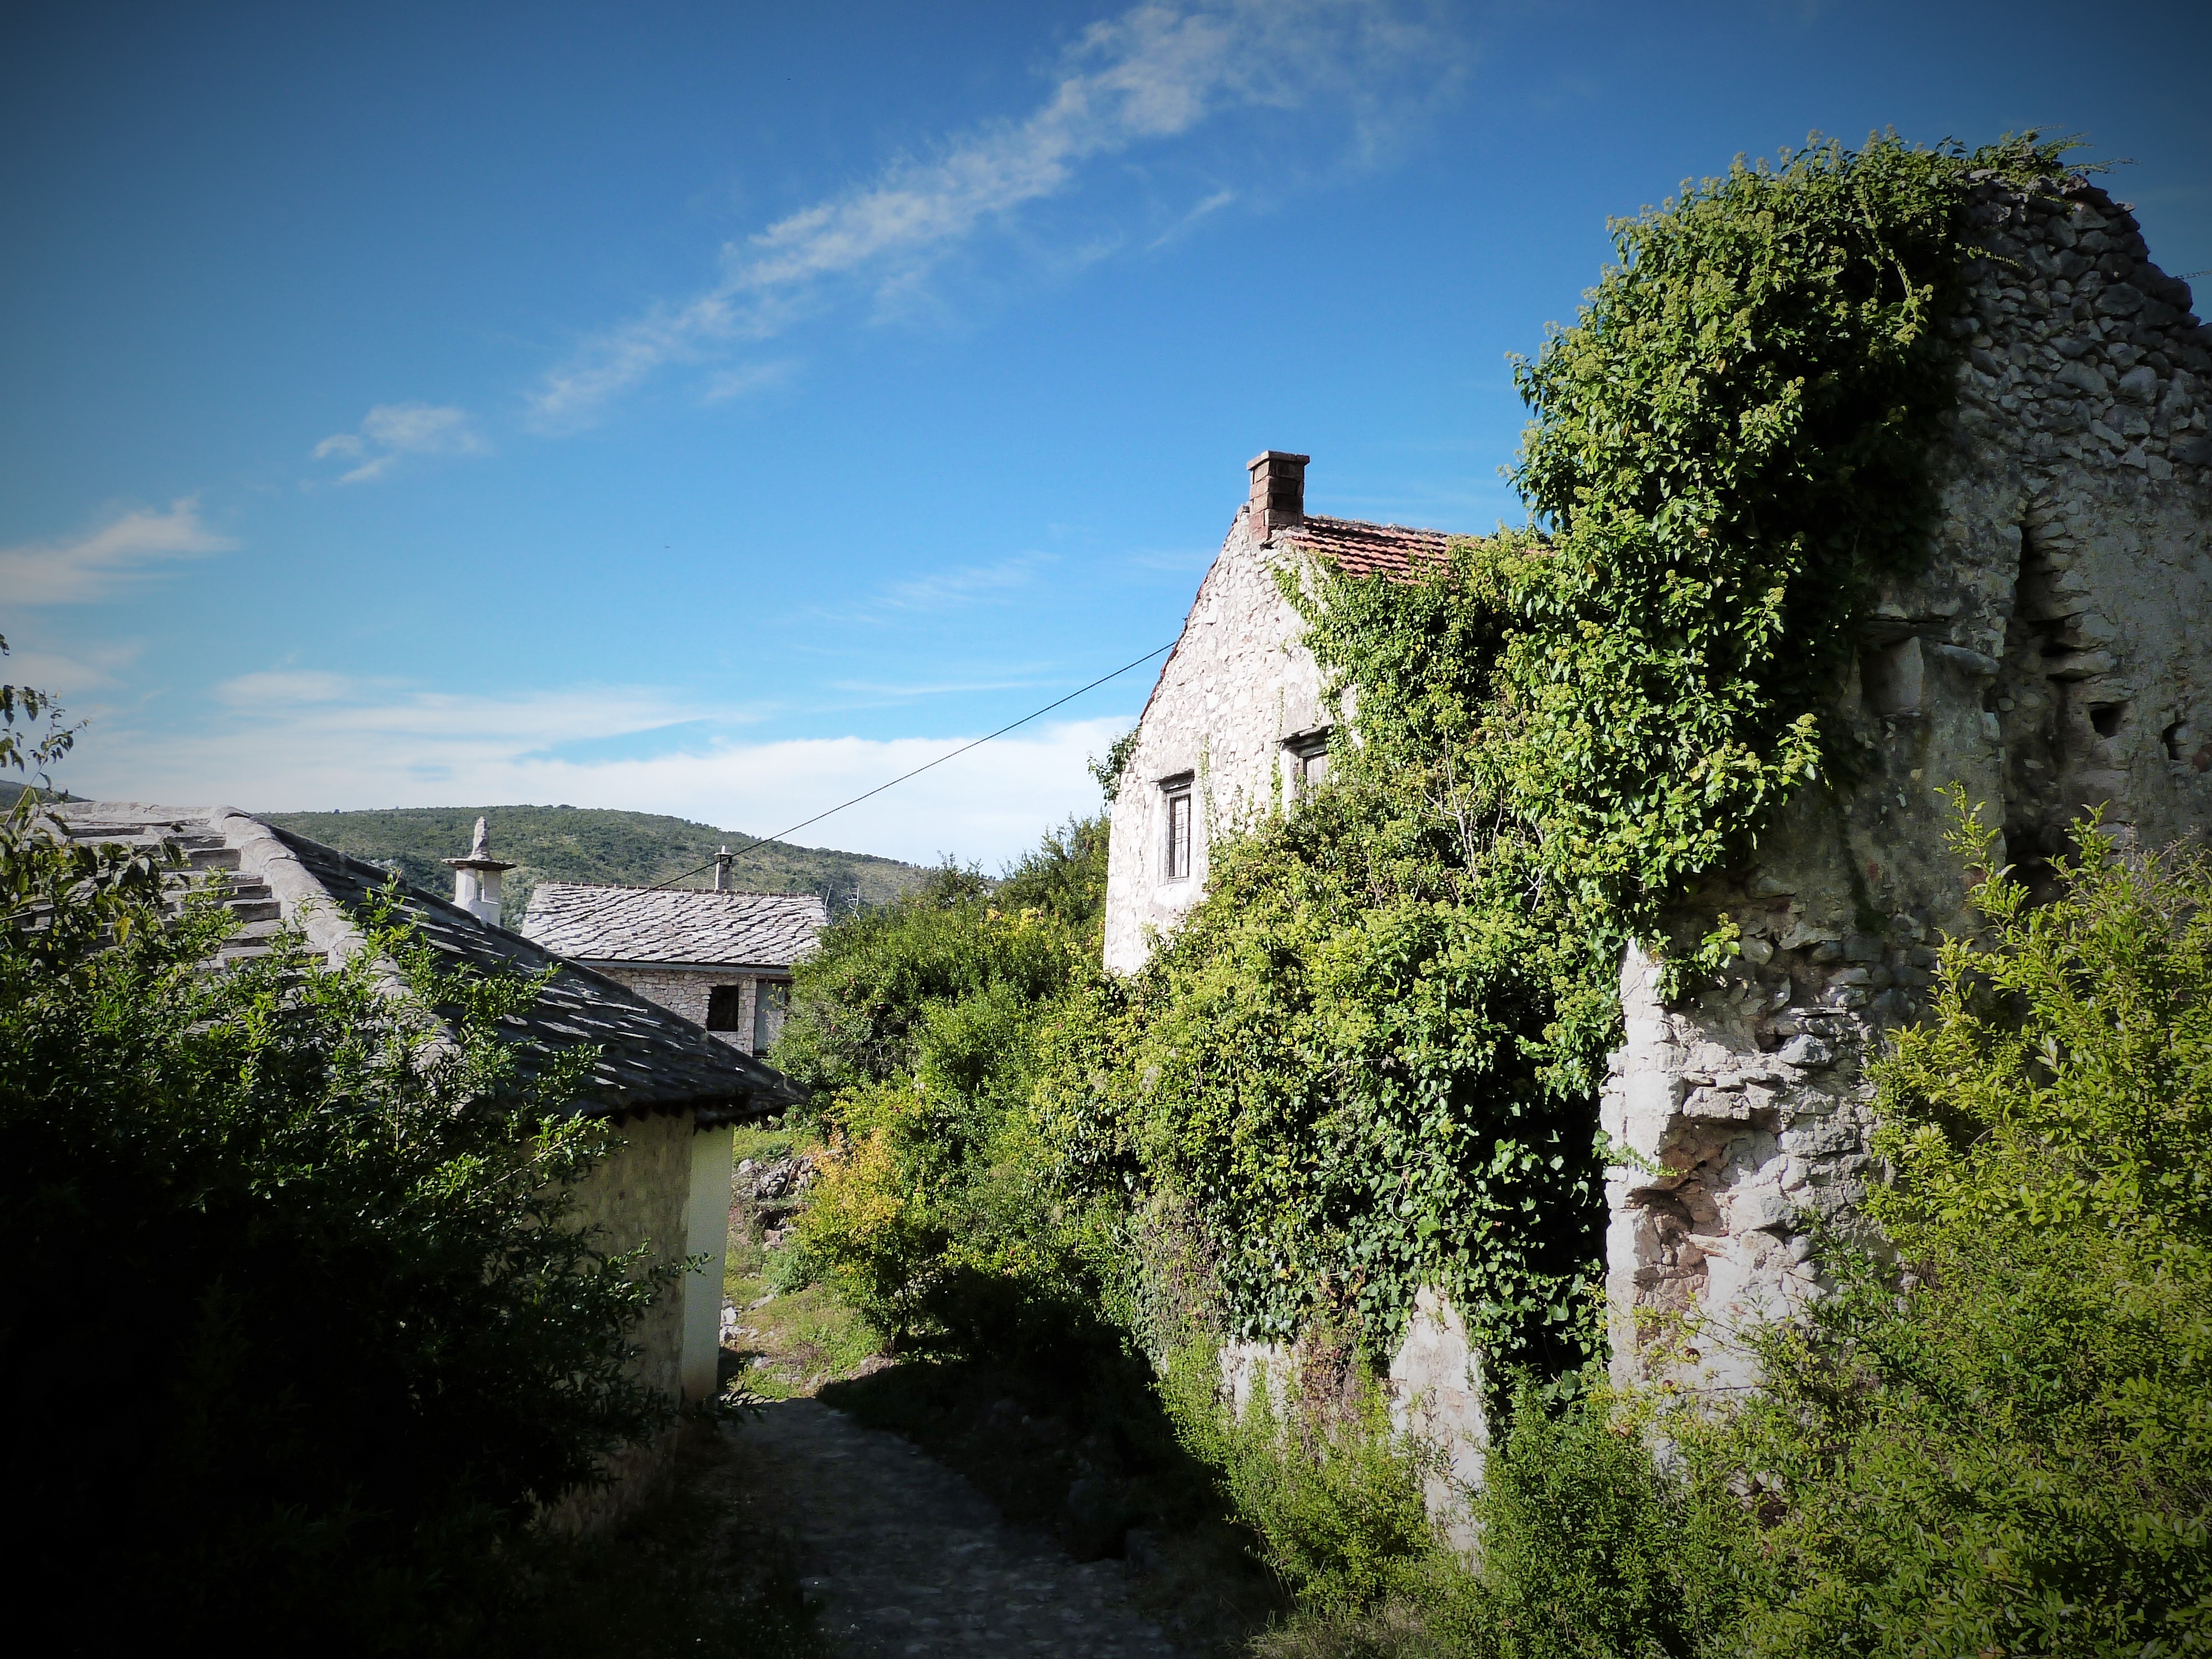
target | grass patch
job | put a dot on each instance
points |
(690, 1574)
(791, 1345)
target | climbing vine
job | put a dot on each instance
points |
(1370, 1059)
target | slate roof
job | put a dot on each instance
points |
(1367, 549)
(671, 924)
(650, 1059)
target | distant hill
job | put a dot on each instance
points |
(582, 843)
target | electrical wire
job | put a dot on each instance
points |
(803, 823)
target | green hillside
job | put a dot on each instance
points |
(576, 843)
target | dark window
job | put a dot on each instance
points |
(723, 1002)
(770, 1001)
(1178, 847)
(1307, 755)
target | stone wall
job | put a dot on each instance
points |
(683, 991)
(1237, 684)
(2054, 656)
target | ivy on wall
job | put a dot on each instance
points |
(1370, 1057)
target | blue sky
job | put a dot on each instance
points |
(719, 408)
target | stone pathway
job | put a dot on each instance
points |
(907, 1559)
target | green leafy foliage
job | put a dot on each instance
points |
(2008, 1444)
(1368, 1058)
(1730, 442)
(1996, 1439)
(1591, 1547)
(933, 1211)
(1333, 1498)
(1335, 1070)
(330, 1262)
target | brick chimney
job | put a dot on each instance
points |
(1278, 491)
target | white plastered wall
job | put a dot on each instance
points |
(707, 1233)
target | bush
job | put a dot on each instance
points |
(931, 1211)
(1333, 1496)
(327, 1268)
(2003, 1439)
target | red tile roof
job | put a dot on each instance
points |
(1367, 549)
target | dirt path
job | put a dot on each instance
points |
(907, 1559)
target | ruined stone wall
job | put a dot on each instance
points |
(1237, 684)
(2054, 655)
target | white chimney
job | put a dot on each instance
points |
(476, 878)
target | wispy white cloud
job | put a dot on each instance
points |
(127, 547)
(391, 431)
(744, 378)
(1152, 73)
(945, 590)
(1201, 210)
(291, 738)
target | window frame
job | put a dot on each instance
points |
(1176, 798)
(770, 995)
(732, 1000)
(1303, 749)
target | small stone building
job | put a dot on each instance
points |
(673, 1094)
(721, 959)
(1235, 725)
(2054, 654)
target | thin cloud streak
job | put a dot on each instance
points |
(126, 549)
(1152, 73)
(391, 432)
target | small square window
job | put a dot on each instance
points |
(724, 1004)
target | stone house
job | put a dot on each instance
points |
(1234, 724)
(2052, 656)
(673, 1094)
(721, 958)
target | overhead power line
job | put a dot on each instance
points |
(803, 823)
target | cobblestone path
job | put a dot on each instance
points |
(907, 1559)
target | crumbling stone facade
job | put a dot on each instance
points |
(2053, 655)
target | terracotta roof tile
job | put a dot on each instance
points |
(1367, 549)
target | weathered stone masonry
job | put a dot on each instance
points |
(2055, 654)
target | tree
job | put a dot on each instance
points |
(301, 1330)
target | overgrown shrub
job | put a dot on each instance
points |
(1332, 1496)
(300, 1331)
(935, 1211)
(2003, 1439)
